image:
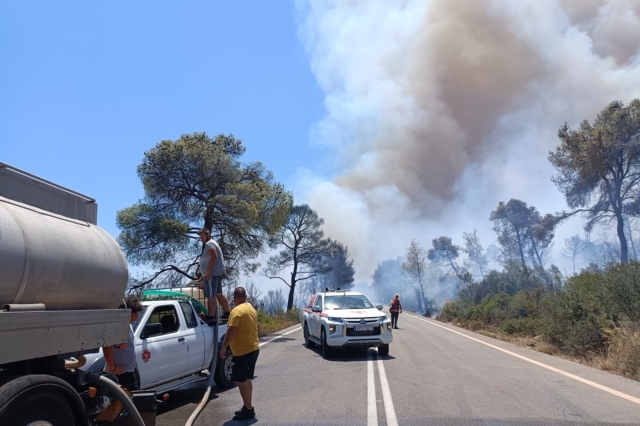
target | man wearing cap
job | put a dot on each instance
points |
(212, 269)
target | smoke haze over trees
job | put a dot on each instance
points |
(439, 110)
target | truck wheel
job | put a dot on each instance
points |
(41, 408)
(222, 376)
(327, 351)
(307, 342)
(383, 350)
(40, 399)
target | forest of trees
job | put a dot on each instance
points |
(199, 181)
(512, 288)
(598, 171)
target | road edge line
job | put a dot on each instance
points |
(540, 364)
(278, 337)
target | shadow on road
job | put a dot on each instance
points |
(241, 422)
(189, 394)
(349, 355)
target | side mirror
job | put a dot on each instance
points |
(316, 309)
(379, 307)
(151, 330)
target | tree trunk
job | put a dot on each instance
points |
(520, 244)
(291, 292)
(624, 253)
(633, 246)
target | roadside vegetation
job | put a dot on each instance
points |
(269, 324)
(594, 318)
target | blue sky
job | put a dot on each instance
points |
(87, 87)
(394, 120)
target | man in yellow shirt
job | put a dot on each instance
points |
(242, 337)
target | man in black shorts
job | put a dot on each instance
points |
(242, 337)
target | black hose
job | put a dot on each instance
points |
(103, 381)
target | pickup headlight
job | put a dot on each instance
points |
(332, 327)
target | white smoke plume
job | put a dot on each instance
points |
(437, 110)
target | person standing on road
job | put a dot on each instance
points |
(121, 359)
(242, 338)
(212, 269)
(396, 309)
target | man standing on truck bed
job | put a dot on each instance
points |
(121, 359)
(242, 337)
(212, 270)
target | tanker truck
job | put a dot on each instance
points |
(62, 279)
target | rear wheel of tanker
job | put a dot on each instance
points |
(41, 408)
(307, 342)
(327, 351)
(42, 400)
(222, 376)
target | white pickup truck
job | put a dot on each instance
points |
(173, 347)
(343, 319)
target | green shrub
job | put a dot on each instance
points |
(293, 315)
(575, 318)
(621, 284)
(519, 326)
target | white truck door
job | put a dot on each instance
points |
(163, 357)
(316, 323)
(195, 338)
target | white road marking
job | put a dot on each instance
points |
(390, 411)
(372, 411)
(548, 367)
(278, 337)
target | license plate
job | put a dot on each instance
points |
(363, 328)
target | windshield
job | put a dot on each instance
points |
(347, 302)
(137, 323)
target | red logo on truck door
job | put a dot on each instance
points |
(146, 355)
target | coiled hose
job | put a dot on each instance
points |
(102, 381)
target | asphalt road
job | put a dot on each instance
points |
(435, 374)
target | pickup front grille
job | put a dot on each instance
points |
(358, 320)
(374, 332)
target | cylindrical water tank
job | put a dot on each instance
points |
(61, 262)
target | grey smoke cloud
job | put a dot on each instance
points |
(436, 111)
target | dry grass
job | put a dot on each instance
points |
(621, 356)
(269, 324)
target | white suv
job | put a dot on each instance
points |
(340, 319)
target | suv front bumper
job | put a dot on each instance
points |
(339, 337)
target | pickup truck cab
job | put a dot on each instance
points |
(343, 319)
(173, 347)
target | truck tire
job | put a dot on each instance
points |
(383, 350)
(222, 376)
(307, 342)
(327, 351)
(40, 398)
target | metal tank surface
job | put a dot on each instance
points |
(51, 251)
(61, 262)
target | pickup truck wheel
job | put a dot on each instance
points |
(222, 376)
(383, 350)
(327, 351)
(308, 342)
